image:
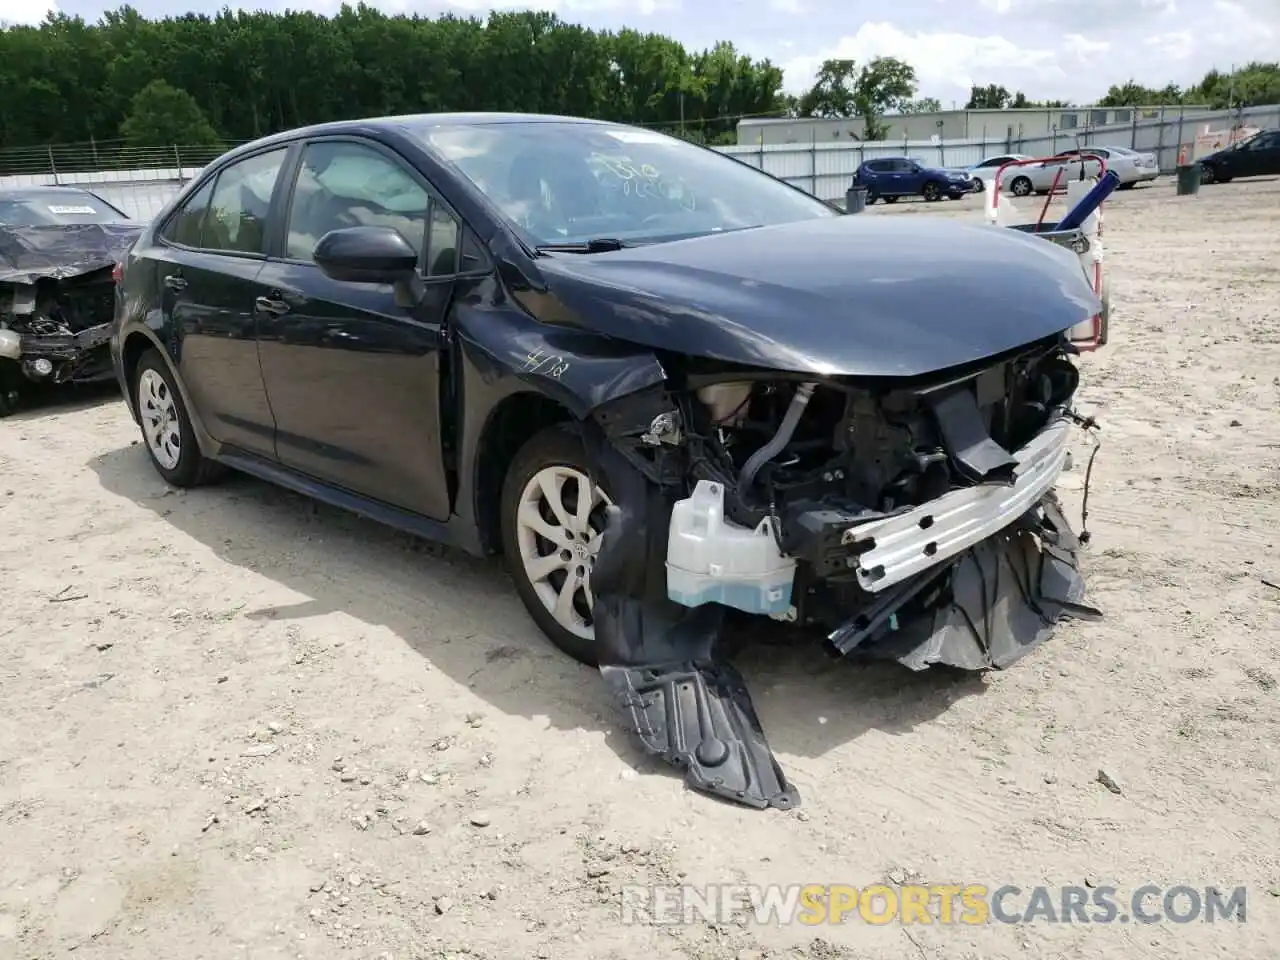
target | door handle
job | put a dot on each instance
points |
(175, 282)
(273, 305)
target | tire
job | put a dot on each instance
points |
(931, 192)
(1021, 187)
(978, 185)
(164, 419)
(872, 196)
(893, 199)
(555, 453)
(1128, 186)
(1207, 174)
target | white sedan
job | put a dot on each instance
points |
(1131, 166)
(1039, 177)
(984, 171)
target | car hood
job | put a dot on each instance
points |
(853, 295)
(28, 254)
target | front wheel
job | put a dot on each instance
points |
(978, 185)
(931, 191)
(893, 199)
(166, 426)
(1021, 187)
(552, 517)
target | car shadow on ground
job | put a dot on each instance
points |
(463, 616)
(35, 402)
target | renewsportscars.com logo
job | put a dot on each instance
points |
(944, 904)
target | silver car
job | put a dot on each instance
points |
(1039, 177)
(984, 171)
(1131, 166)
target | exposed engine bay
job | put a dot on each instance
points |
(57, 301)
(913, 520)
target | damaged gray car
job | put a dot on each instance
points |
(58, 250)
(672, 390)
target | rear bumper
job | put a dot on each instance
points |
(896, 548)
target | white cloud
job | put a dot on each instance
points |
(1174, 45)
(946, 64)
(24, 12)
(1082, 47)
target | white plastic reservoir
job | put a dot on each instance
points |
(712, 560)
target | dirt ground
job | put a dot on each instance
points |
(233, 724)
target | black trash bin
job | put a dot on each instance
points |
(1189, 179)
(855, 199)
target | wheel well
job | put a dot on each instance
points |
(516, 419)
(134, 347)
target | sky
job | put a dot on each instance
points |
(1050, 49)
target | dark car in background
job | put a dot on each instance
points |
(665, 385)
(58, 248)
(890, 178)
(1258, 156)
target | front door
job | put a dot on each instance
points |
(209, 256)
(1258, 157)
(353, 374)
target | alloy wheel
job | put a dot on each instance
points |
(159, 412)
(559, 522)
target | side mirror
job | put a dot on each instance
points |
(366, 255)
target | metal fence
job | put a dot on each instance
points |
(826, 169)
(142, 181)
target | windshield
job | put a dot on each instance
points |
(567, 182)
(47, 208)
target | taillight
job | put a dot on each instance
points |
(117, 273)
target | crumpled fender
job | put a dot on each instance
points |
(579, 369)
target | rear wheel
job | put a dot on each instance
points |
(166, 426)
(552, 518)
(1021, 187)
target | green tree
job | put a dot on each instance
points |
(162, 115)
(923, 105)
(990, 97)
(843, 89)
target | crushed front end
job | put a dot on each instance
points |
(908, 519)
(57, 302)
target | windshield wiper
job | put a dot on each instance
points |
(595, 245)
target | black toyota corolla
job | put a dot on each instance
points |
(666, 385)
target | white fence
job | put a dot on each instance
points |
(826, 169)
(823, 169)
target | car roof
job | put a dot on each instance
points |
(401, 122)
(44, 190)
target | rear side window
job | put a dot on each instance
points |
(237, 217)
(185, 227)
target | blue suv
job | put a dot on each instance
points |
(894, 177)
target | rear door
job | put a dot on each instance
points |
(209, 255)
(353, 373)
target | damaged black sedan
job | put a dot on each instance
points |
(671, 389)
(59, 247)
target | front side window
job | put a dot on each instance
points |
(344, 184)
(237, 219)
(570, 181)
(442, 243)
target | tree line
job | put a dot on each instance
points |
(240, 75)
(197, 80)
(1254, 84)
